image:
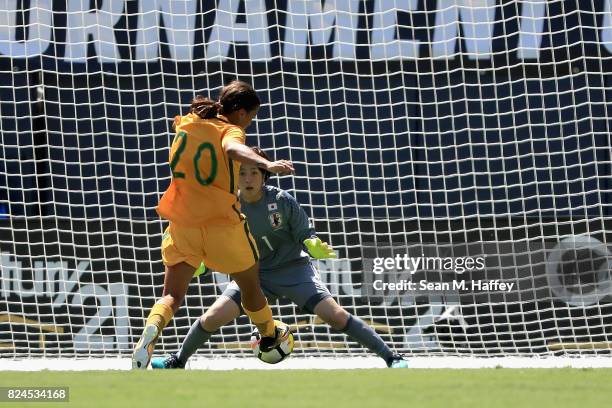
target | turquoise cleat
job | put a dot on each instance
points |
(169, 362)
(397, 361)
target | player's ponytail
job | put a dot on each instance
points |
(205, 107)
(234, 96)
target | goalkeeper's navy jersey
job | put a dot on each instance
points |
(279, 226)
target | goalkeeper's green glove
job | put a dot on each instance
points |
(202, 270)
(319, 249)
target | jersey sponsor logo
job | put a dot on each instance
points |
(276, 220)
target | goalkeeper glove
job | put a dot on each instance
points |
(319, 249)
(202, 270)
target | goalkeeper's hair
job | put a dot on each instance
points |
(234, 96)
(265, 173)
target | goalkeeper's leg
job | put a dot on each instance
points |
(338, 318)
(176, 281)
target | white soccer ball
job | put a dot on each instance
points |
(278, 353)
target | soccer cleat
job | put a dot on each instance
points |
(144, 347)
(169, 362)
(397, 361)
(266, 344)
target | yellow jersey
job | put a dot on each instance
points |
(204, 180)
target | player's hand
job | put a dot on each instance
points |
(282, 167)
(202, 270)
(319, 249)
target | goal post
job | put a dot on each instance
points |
(460, 143)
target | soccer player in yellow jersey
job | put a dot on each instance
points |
(204, 212)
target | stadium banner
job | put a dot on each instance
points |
(260, 31)
(88, 291)
(421, 69)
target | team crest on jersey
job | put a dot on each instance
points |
(276, 220)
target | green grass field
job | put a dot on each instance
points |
(374, 388)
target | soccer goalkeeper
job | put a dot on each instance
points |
(281, 229)
(201, 205)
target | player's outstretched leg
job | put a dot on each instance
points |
(256, 306)
(223, 311)
(338, 318)
(176, 281)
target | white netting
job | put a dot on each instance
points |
(433, 123)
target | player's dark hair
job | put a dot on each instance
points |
(205, 107)
(265, 173)
(234, 96)
(238, 95)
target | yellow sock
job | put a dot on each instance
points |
(160, 315)
(262, 318)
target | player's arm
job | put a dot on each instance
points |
(235, 149)
(301, 229)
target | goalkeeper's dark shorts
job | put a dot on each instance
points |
(301, 284)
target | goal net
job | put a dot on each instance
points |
(455, 153)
